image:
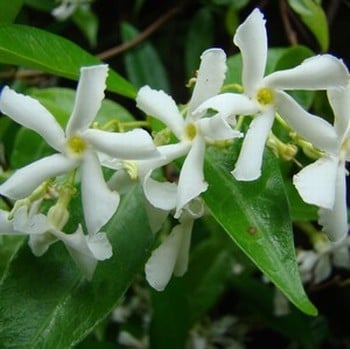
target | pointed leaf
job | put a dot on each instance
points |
(256, 216)
(46, 303)
(37, 49)
(314, 18)
(9, 10)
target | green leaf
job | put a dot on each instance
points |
(46, 303)
(143, 63)
(210, 267)
(256, 216)
(87, 22)
(170, 320)
(313, 16)
(199, 38)
(9, 10)
(38, 49)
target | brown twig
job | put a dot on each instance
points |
(141, 37)
(21, 74)
(291, 35)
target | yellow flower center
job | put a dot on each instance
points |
(190, 131)
(265, 96)
(76, 146)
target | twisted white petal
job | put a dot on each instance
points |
(25, 180)
(89, 96)
(248, 165)
(28, 112)
(251, 38)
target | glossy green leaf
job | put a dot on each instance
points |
(199, 38)
(38, 49)
(9, 10)
(314, 17)
(143, 64)
(256, 216)
(46, 303)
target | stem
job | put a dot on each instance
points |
(114, 51)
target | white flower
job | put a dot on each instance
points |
(161, 194)
(172, 255)
(77, 145)
(85, 250)
(194, 129)
(67, 8)
(316, 265)
(323, 183)
(317, 73)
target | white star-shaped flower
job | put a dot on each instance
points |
(77, 146)
(316, 265)
(194, 130)
(172, 255)
(316, 73)
(323, 183)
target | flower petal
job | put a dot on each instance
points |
(100, 246)
(131, 145)
(335, 220)
(316, 182)
(161, 195)
(191, 180)
(40, 243)
(316, 73)
(251, 38)
(341, 255)
(156, 216)
(99, 203)
(161, 264)
(323, 269)
(89, 96)
(181, 264)
(161, 106)
(6, 225)
(248, 165)
(79, 250)
(38, 224)
(28, 112)
(339, 99)
(227, 105)
(23, 182)
(314, 129)
(211, 76)
(216, 128)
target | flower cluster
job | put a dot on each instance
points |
(209, 117)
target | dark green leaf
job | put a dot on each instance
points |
(46, 303)
(170, 320)
(9, 10)
(199, 38)
(206, 278)
(143, 63)
(37, 49)
(256, 216)
(313, 16)
(87, 22)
